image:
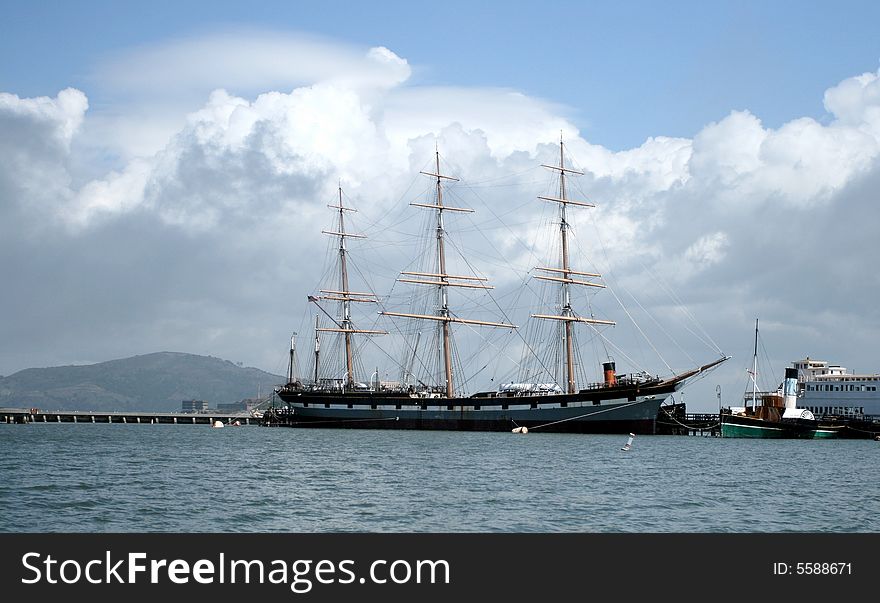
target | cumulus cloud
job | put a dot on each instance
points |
(512, 120)
(855, 102)
(801, 163)
(231, 202)
(63, 114)
(155, 86)
(34, 151)
(101, 199)
(702, 254)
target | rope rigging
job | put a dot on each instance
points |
(418, 357)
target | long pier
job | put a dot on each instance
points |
(33, 415)
(671, 420)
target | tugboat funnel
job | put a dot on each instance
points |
(789, 388)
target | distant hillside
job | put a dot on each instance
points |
(157, 382)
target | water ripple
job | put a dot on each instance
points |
(94, 478)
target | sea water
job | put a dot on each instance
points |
(191, 478)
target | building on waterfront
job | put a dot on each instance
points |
(247, 404)
(194, 406)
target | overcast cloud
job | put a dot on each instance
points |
(200, 232)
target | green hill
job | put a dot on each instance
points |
(156, 382)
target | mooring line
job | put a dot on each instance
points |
(589, 414)
(873, 433)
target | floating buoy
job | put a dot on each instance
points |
(629, 443)
(217, 424)
(520, 430)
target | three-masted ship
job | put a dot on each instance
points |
(620, 403)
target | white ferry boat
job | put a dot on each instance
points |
(829, 389)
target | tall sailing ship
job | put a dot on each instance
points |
(620, 403)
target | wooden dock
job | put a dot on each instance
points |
(674, 419)
(33, 415)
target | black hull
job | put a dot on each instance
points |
(621, 409)
(637, 426)
(627, 406)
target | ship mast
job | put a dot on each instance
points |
(755, 370)
(291, 367)
(346, 304)
(442, 280)
(442, 288)
(344, 295)
(317, 350)
(566, 296)
(565, 273)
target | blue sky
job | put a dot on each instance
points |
(185, 172)
(625, 70)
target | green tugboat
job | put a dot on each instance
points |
(773, 414)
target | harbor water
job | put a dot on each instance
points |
(191, 478)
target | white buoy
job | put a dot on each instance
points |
(629, 442)
(217, 424)
(520, 430)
